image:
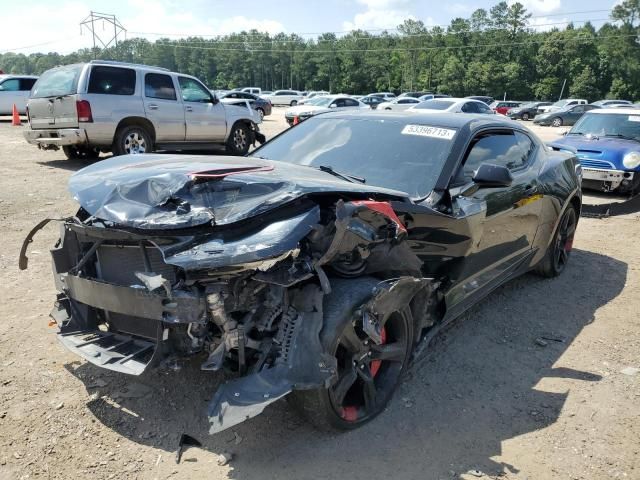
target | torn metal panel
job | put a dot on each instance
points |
(171, 192)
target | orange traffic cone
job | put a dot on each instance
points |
(15, 120)
(296, 120)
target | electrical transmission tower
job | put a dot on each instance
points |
(103, 41)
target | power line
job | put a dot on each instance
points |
(51, 42)
(404, 49)
(318, 41)
(360, 29)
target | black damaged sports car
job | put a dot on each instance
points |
(312, 268)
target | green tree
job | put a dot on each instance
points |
(585, 85)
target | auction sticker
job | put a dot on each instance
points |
(426, 131)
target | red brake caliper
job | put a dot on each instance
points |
(350, 414)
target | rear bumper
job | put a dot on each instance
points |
(57, 137)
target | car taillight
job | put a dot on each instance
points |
(84, 111)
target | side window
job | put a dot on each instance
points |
(482, 108)
(157, 85)
(509, 149)
(112, 81)
(27, 83)
(578, 109)
(193, 91)
(11, 85)
(470, 107)
(349, 102)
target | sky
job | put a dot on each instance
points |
(43, 26)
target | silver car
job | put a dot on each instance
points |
(104, 106)
(14, 90)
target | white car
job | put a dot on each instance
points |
(323, 104)
(284, 97)
(14, 89)
(562, 104)
(452, 105)
(400, 103)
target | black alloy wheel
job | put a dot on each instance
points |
(557, 256)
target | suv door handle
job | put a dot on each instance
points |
(188, 109)
(152, 106)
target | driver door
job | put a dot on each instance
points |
(504, 219)
(205, 119)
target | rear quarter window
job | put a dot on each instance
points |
(112, 81)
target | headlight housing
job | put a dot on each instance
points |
(631, 160)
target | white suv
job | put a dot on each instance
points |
(284, 97)
(104, 106)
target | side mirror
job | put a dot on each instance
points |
(214, 99)
(489, 175)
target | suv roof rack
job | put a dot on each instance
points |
(115, 62)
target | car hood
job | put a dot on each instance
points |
(178, 191)
(606, 149)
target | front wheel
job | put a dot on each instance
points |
(558, 252)
(238, 142)
(556, 122)
(293, 103)
(132, 140)
(368, 373)
(261, 113)
(525, 116)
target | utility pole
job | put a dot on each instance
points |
(102, 41)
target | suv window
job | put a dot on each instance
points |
(509, 149)
(112, 81)
(193, 91)
(11, 85)
(157, 85)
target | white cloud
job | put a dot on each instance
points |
(539, 6)
(460, 9)
(543, 24)
(61, 24)
(380, 14)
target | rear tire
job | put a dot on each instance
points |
(73, 152)
(363, 388)
(557, 256)
(132, 140)
(239, 141)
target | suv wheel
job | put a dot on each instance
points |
(238, 142)
(132, 140)
(73, 152)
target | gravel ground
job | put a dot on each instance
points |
(487, 398)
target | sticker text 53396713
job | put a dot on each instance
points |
(427, 131)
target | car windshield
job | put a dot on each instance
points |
(57, 81)
(387, 153)
(434, 105)
(608, 124)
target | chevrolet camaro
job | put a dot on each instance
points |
(312, 268)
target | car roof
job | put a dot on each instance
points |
(6, 76)
(450, 120)
(619, 111)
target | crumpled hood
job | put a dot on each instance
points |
(180, 191)
(608, 149)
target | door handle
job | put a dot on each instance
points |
(152, 106)
(188, 109)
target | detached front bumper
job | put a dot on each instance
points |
(610, 179)
(56, 137)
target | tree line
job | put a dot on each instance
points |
(492, 52)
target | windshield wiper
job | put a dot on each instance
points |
(343, 176)
(619, 135)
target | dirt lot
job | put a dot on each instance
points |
(484, 396)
